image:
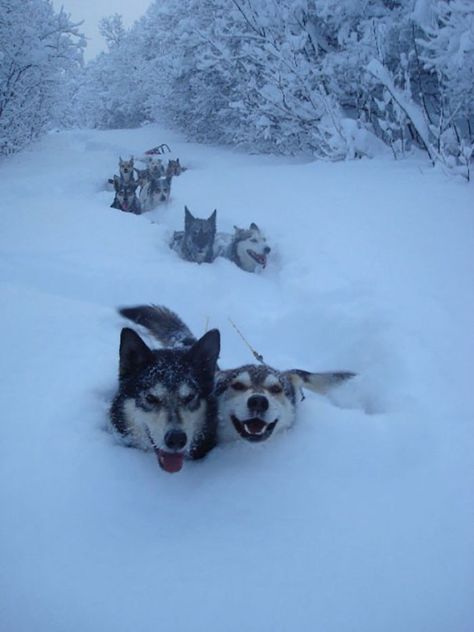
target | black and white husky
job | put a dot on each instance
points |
(255, 401)
(165, 400)
(125, 196)
(196, 242)
(246, 247)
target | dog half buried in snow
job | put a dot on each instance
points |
(165, 400)
(201, 243)
(196, 242)
(157, 400)
(246, 247)
(125, 196)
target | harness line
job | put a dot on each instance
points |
(255, 354)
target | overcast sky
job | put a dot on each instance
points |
(91, 11)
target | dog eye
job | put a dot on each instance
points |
(275, 389)
(152, 399)
(239, 386)
(254, 241)
(187, 399)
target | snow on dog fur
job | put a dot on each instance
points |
(255, 400)
(165, 399)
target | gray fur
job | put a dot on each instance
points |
(255, 400)
(165, 400)
(246, 247)
(196, 242)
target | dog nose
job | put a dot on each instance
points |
(257, 403)
(267, 249)
(175, 439)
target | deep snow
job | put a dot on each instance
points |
(360, 519)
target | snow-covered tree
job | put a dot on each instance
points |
(39, 49)
(333, 78)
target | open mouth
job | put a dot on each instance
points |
(171, 462)
(253, 429)
(260, 259)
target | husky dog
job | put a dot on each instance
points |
(125, 196)
(246, 247)
(165, 400)
(196, 242)
(126, 170)
(154, 191)
(174, 168)
(255, 400)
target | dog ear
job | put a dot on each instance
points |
(318, 382)
(116, 183)
(134, 355)
(212, 218)
(188, 216)
(203, 356)
(253, 226)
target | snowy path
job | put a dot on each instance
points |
(359, 519)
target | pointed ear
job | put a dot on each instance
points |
(188, 216)
(318, 382)
(134, 354)
(213, 217)
(203, 355)
(116, 183)
(253, 226)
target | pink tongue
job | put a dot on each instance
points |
(255, 426)
(170, 461)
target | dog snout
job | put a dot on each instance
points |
(257, 403)
(175, 439)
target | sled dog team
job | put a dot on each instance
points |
(175, 400)
(199, 242)
(153, 182)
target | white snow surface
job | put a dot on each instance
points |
(358, 519)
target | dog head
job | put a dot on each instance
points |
(256, 401)
(174, 168)
(250, 248)
(126, 168)
(199, 235)
(162, 188)
(125, 198)
(155, 168)
(166, 394)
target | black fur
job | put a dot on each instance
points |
(142, 368)
(196, 243)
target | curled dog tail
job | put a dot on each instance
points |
(166, 326)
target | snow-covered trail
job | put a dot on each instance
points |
(359, 519)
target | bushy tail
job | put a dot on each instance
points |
(166, 326)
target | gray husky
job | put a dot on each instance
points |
(165, 400)
(196, 242)
(255, 400)
(125, 196)
(246, 247)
